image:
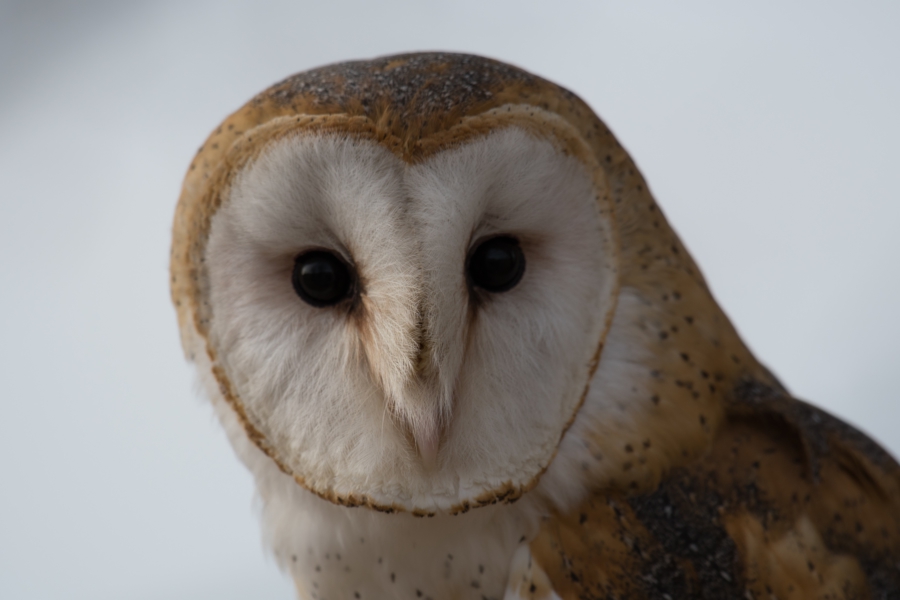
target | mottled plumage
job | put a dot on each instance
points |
(673, 465)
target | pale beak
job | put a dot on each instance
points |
(428, 441)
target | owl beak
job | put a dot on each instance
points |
(423, 431)
(427, 439)
(427, 423)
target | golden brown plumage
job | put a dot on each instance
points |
(786, 502)
(730, 488)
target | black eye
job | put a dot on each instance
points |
(321, 278)
(497, 264)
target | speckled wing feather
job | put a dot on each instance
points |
(788, 502)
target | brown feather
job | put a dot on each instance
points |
(787, 502)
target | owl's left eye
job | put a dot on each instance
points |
(321, 278)
(497, 264)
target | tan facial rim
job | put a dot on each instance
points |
(190, 279)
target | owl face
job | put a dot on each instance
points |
(411, 334)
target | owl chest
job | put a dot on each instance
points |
(377, 557)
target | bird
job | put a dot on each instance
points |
(450, 332)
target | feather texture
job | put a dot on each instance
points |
(600, 431)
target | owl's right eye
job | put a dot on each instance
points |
(321, 278)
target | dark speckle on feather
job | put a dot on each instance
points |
(415, 92)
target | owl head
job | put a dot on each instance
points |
(406, 279)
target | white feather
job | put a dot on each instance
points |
(337, 395)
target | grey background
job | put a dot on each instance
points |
(768, 131)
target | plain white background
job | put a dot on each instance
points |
(769, 132)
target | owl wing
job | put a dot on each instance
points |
(789, 502)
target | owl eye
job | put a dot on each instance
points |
(320, 278)
(497, 264)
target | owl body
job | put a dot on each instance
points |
(450, 332)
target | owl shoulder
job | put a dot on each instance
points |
(789, 502)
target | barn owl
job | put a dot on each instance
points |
(450, 332)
